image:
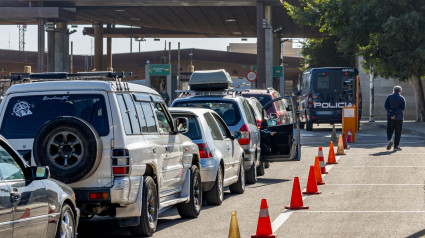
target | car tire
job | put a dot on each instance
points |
(309, 126)
(239, 187)
(70, 147)
(66, 223)
(260, 169)
(192, 208)
(266, 165)
(215, 196)
(251, 175)
(302, 124)
(150, 204)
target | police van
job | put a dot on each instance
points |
(324, 92)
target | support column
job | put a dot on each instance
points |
(41, 45)
(50, 51)
(98, 46)
(109, 52)
(261, 66)
(268, 34)
(61, 57)
(277, 60)
(372, 94)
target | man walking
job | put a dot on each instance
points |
(395, 105)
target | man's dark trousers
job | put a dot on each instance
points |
(394, 125)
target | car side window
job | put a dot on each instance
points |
(213, 128)
(124, 114)
(222, 127)
(9, 169)
(248, 111)
(164, 121)
(149, 116)
(132, 113)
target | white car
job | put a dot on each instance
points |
(222, 157)
(114, 143)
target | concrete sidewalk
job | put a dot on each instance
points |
(416, 128)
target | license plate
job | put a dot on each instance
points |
(326, 113)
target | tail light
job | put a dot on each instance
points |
(246, 135)
(99, 196)
(120, 162)
(258, 123)
(204, 151)
(310, 101)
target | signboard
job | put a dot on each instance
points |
(277, 70)
(185, 76)
(159, 69)
(251, 76)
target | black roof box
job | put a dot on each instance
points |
(210, 80)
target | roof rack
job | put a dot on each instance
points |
(118, 77)
(188, 93)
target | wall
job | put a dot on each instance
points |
(384, 87)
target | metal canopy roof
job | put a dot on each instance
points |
(158, 18)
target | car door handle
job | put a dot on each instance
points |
(154, 150)
(228, 147)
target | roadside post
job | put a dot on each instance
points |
(349, 120)
(357, 106)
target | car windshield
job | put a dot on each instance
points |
(228, 110)
(25, 116)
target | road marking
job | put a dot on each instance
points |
(375, 184)
(386, 166)
(305, 211)
(278, 222)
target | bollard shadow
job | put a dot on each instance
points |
(384, 153)
(417, 234)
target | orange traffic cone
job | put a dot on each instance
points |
(349, 136)
(322, 161)
(317, 172)
(296, 199)
(344, 141)
(234, 227)
(340, 149)
(331, 156)
(264, 227)
(311, 183)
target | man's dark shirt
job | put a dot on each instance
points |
(395, 105)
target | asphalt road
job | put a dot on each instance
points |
(371, 192)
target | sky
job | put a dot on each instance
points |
(84, 45)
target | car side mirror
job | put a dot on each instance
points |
(237, 135)
(181, 125)
(40, 172)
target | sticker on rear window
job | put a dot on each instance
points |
(62, 98)
(21, 109)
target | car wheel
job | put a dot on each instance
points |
(66, 224)
(216, 195)
(260, 169)
(193, 207)
(309, 126)
(149, 217)
(239, 187)
(251, 175)
(266, 165)
(302, 124)
(70, 147)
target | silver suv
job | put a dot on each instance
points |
(238, 115)
(114, 143)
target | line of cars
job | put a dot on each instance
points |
(125, 154)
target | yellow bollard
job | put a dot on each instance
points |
(234, 227)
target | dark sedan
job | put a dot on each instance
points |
(31, 204)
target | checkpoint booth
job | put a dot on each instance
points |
(349, 121)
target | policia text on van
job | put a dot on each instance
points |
(324, 92)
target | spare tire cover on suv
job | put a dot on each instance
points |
(71, 148)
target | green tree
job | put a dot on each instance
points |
(390, 34)
(323, 52)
